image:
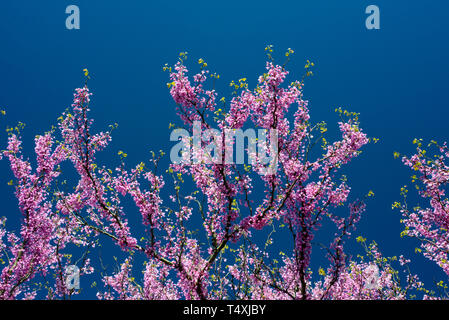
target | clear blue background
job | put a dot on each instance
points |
(396, 77)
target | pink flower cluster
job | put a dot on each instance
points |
(429, 224)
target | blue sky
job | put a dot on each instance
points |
(396, 77)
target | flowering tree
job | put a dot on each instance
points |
(429, 225)
(234, 204)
